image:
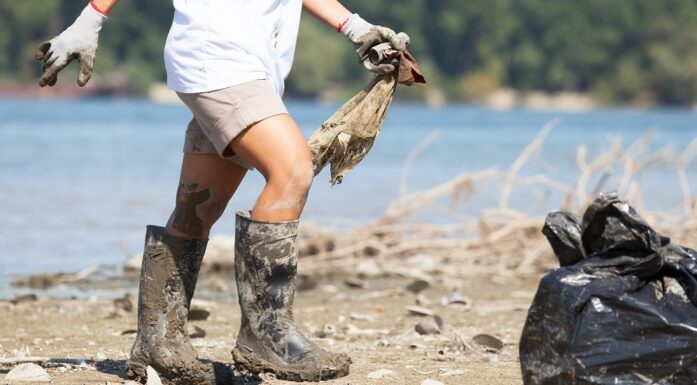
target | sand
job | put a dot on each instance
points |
(88, 341)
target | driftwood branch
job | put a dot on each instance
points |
(502, 239)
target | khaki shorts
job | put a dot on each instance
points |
(221, 115)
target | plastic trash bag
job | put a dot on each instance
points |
(621, 310)
(346, 137)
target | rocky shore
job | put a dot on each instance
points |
(396, 329)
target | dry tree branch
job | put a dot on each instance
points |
(407, 205)
(603, 162)
(413, 154)
(532, 148)
(497, 239)
(680, 164)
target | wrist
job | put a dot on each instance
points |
(99, 9)
(341, 26)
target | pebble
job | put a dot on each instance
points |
(422, 300)
(351, 329)
(380, 373)
(433, 325)
(431, 382)
(23, 298)
(198, 314)
(153, 377)
(420, 311)
(451, 372)
(196, 332)
(28, 373)
(361, 317)
(354, 283)
(418, 286)
(327, 331)
(456, 298)
(489, 343)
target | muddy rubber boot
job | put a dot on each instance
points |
(167, 281)
(266, 260)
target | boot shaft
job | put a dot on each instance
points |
(170, 267)
(167, 282)
(266, 261)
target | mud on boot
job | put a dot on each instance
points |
(266, 260)
(167, 281)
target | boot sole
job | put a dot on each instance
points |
(137, 372)
(219, 374)
(252, 363)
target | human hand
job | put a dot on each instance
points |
(79, 41)
(365, 36)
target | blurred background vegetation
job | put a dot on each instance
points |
(636, 52)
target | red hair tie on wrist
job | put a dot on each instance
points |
(97, 9)
(342, 25)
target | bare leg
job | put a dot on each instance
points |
(276, 147)
(206, 184)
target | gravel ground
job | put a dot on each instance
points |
(88, 341)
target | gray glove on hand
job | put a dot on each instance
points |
(365, 36)
(79, 41)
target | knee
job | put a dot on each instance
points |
(292, 180)
(196, 210)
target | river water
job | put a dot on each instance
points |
(79, 180)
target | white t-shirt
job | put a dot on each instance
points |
(215, 44)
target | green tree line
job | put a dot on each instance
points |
(618, 51)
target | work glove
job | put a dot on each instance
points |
(364, 36)
(79, 41)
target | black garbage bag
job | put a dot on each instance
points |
(621, 310)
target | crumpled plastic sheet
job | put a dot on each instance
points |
(347, 136)
(622, 309)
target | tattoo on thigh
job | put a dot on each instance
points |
(186, 218)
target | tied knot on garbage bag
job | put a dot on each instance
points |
(347, 136)
(622, 309)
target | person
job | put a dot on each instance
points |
(227, 61)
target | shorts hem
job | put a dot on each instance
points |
(221, 116)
